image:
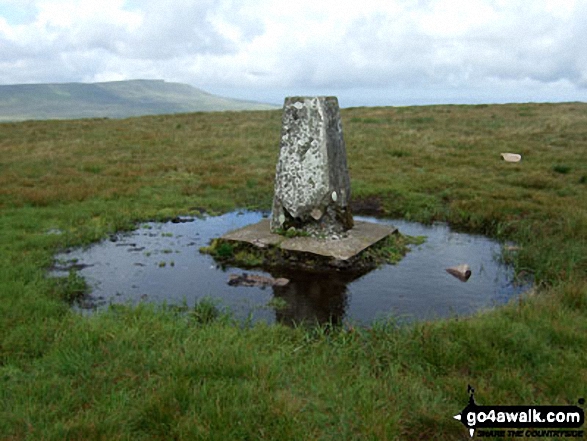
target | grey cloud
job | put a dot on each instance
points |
(535, 46)
(33, 71)
(370, 53)
(575, 46)
(169, 33)
(181, 41)
(383, 51)
(186, 30)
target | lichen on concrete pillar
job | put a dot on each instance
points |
(312, 184)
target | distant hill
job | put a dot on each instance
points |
(117, 99)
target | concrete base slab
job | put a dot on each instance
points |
(360, 237)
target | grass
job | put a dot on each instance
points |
(157, 373)
(562, 169)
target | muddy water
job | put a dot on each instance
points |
(160, 262)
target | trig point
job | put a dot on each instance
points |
(311, 218)
(312, 185)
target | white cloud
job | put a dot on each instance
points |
(304, 45)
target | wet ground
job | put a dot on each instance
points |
(161, 262)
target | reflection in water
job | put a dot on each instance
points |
(312, 297)
(161, 263)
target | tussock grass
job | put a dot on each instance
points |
(164, 373)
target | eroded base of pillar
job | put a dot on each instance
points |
(354, 241)
(361, 249)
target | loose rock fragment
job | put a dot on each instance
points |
(461, 272)
(511, 157)
(316, 214)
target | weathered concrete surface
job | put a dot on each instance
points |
(360, 237)
(256, 234)
(312, 185)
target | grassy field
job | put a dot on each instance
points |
(154, 373)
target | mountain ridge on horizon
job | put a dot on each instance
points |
(112, 99)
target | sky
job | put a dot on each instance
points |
(366, 52)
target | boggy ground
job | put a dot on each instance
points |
(166, 373)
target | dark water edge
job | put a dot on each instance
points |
(161, 263)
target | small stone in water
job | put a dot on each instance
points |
(461, 272)
(246, 279)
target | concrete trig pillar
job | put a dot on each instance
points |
(312, 185)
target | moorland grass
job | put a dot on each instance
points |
(155, 372)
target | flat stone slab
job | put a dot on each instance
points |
(360, 237)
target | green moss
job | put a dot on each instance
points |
(391, 249)
(249, 257)
(292, 232)
(277, 303)
(219, 249)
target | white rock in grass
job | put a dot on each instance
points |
(511, 157)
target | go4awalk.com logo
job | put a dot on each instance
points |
(522, 421)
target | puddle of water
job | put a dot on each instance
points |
(162, 263)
